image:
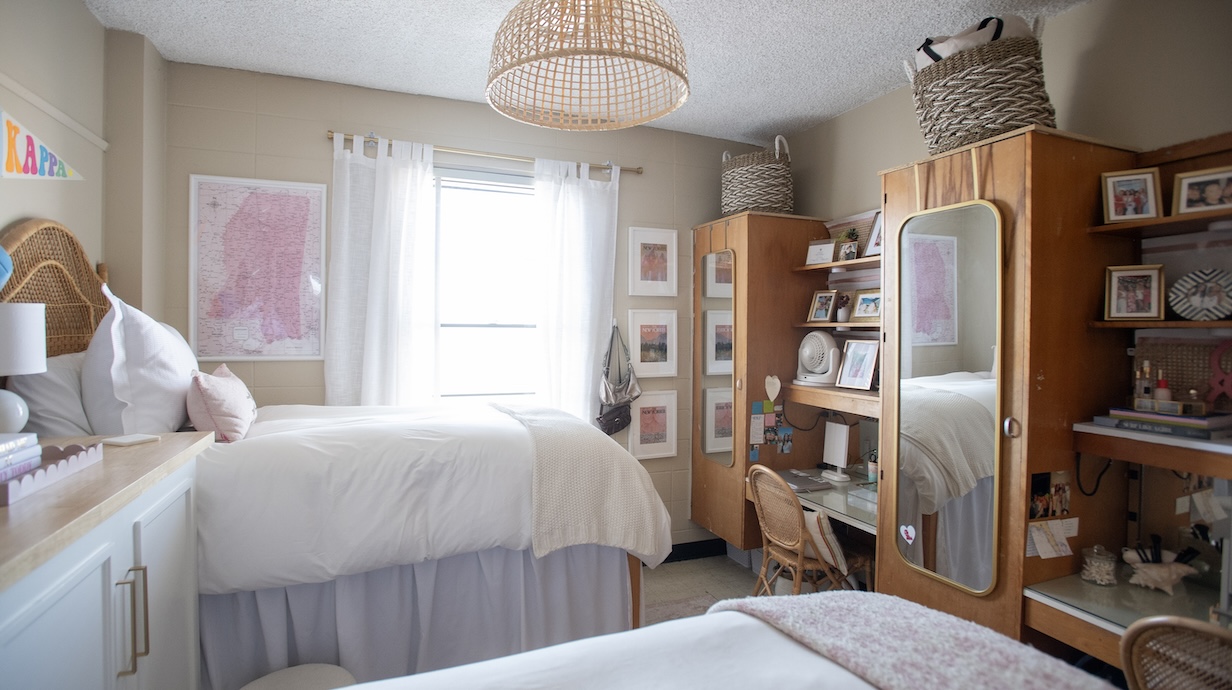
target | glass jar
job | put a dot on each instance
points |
(1099, 566)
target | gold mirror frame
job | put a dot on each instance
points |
(891, 458)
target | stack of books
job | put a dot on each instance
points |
(19, 453)
(1207, 427)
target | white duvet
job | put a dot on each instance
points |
(948, 421)
(313, 493)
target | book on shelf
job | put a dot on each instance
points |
(1211, 421)
(12, 442)
(1177, 430)
(20, 455)
(19, 468)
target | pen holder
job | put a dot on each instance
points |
(1099, 566)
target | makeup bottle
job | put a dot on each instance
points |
(1146, 379)
(1162, 392)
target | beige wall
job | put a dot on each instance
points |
(1135, 73)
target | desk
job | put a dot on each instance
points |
(844, 507)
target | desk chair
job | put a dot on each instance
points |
(1176, 653)
(794, 540)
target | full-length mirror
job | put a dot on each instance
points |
(717, 346)
(947, 452)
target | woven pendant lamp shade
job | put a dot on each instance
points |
(587, 64)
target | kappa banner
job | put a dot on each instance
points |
(25, 156)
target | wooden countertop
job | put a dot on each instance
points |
(38, 527)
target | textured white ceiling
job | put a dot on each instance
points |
(756, 67)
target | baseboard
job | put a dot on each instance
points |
(696, 549)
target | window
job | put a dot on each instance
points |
(487, 281)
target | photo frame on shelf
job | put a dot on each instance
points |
(821, 307)
(820, 252)
(720, 275)
(866, 306)
(719, 333)
(652, 262)
(859, 364)
(1131, 195)
(718, 428)
(874, 238)
(652, 333)
(848, 251)
(652, 428)
(1134, 293)
(1202, 190)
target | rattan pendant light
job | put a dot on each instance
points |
(587, 64)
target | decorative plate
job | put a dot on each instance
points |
(1203, 295)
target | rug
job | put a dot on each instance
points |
(678, 608)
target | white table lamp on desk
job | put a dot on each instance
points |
(838, 440)
(23, 350)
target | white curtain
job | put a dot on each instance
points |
(579, 217)
(379, 349)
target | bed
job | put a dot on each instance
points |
(389, 541)
(946, 460)
(824, 640)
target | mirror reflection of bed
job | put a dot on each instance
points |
(948, 393)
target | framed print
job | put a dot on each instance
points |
(821, 308)
(718, 324)
(1131, 195)
(859, 364)
(718, 429)
(866, 306)
(653, 332)
(820, 252)
(931, 289)
(652, 262)
(1202, 190)
(256, 271)
(1134, 293)
(848, 251)
(720, 274)
(652, 429)
(874, 238)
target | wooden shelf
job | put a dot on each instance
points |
(1210, 458)
(1160, 324)
(862, 262)
(1184, 224)
(863, 403)
(841, 324)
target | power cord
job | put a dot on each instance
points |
(1098, 478)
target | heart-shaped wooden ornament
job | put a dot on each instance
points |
(773, 386)
(908, 532)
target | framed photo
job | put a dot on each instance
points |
(931, 295)
(256, 269)
(653, 336)
(821, 308)
(859, 364)
(652, 429)
(720, 274)
(718, 324)
(874, 238)
(1202, 190)
(866, 306)
(848, 251)
(820, 252)
(719, 428)
(652, 262)
(1131, 195)
(1134, 293)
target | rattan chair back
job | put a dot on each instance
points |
(1177, 653)
(785, 540)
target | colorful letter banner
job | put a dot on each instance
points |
(25, 156)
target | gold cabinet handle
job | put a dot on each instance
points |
(132, 620)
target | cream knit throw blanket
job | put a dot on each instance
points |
(587, 489)
(952, 431)
(893, 643)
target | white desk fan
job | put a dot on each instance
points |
(818, 361)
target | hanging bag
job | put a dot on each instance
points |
(616, 396)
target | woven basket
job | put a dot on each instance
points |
(982, 92)
(758, 181)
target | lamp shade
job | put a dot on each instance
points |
(23, 338)
(587, 64)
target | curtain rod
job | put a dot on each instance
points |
(329, 134)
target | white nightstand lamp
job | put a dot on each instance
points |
(23, 350)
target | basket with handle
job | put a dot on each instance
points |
(758, 181)
(981, 92)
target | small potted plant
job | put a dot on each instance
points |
(842, 306)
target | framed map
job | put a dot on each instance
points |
(256, 283)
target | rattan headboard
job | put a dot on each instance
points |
(49, 266)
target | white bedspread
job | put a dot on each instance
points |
(949, 422)
(313, 493)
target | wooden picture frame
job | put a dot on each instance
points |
(822, 307)
(653, 336)
(719, 345)
(874, 238)
(720, 269)
(859, 364)
(652, 427)
(719, 426)
(1202, 190)
(820, 252)
(1134, 293)
(653, 262)
(866, 306)
(1131, 195)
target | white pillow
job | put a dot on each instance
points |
(136, 374)
(221, 403)
(54, 397)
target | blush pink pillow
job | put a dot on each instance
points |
(220, 402)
